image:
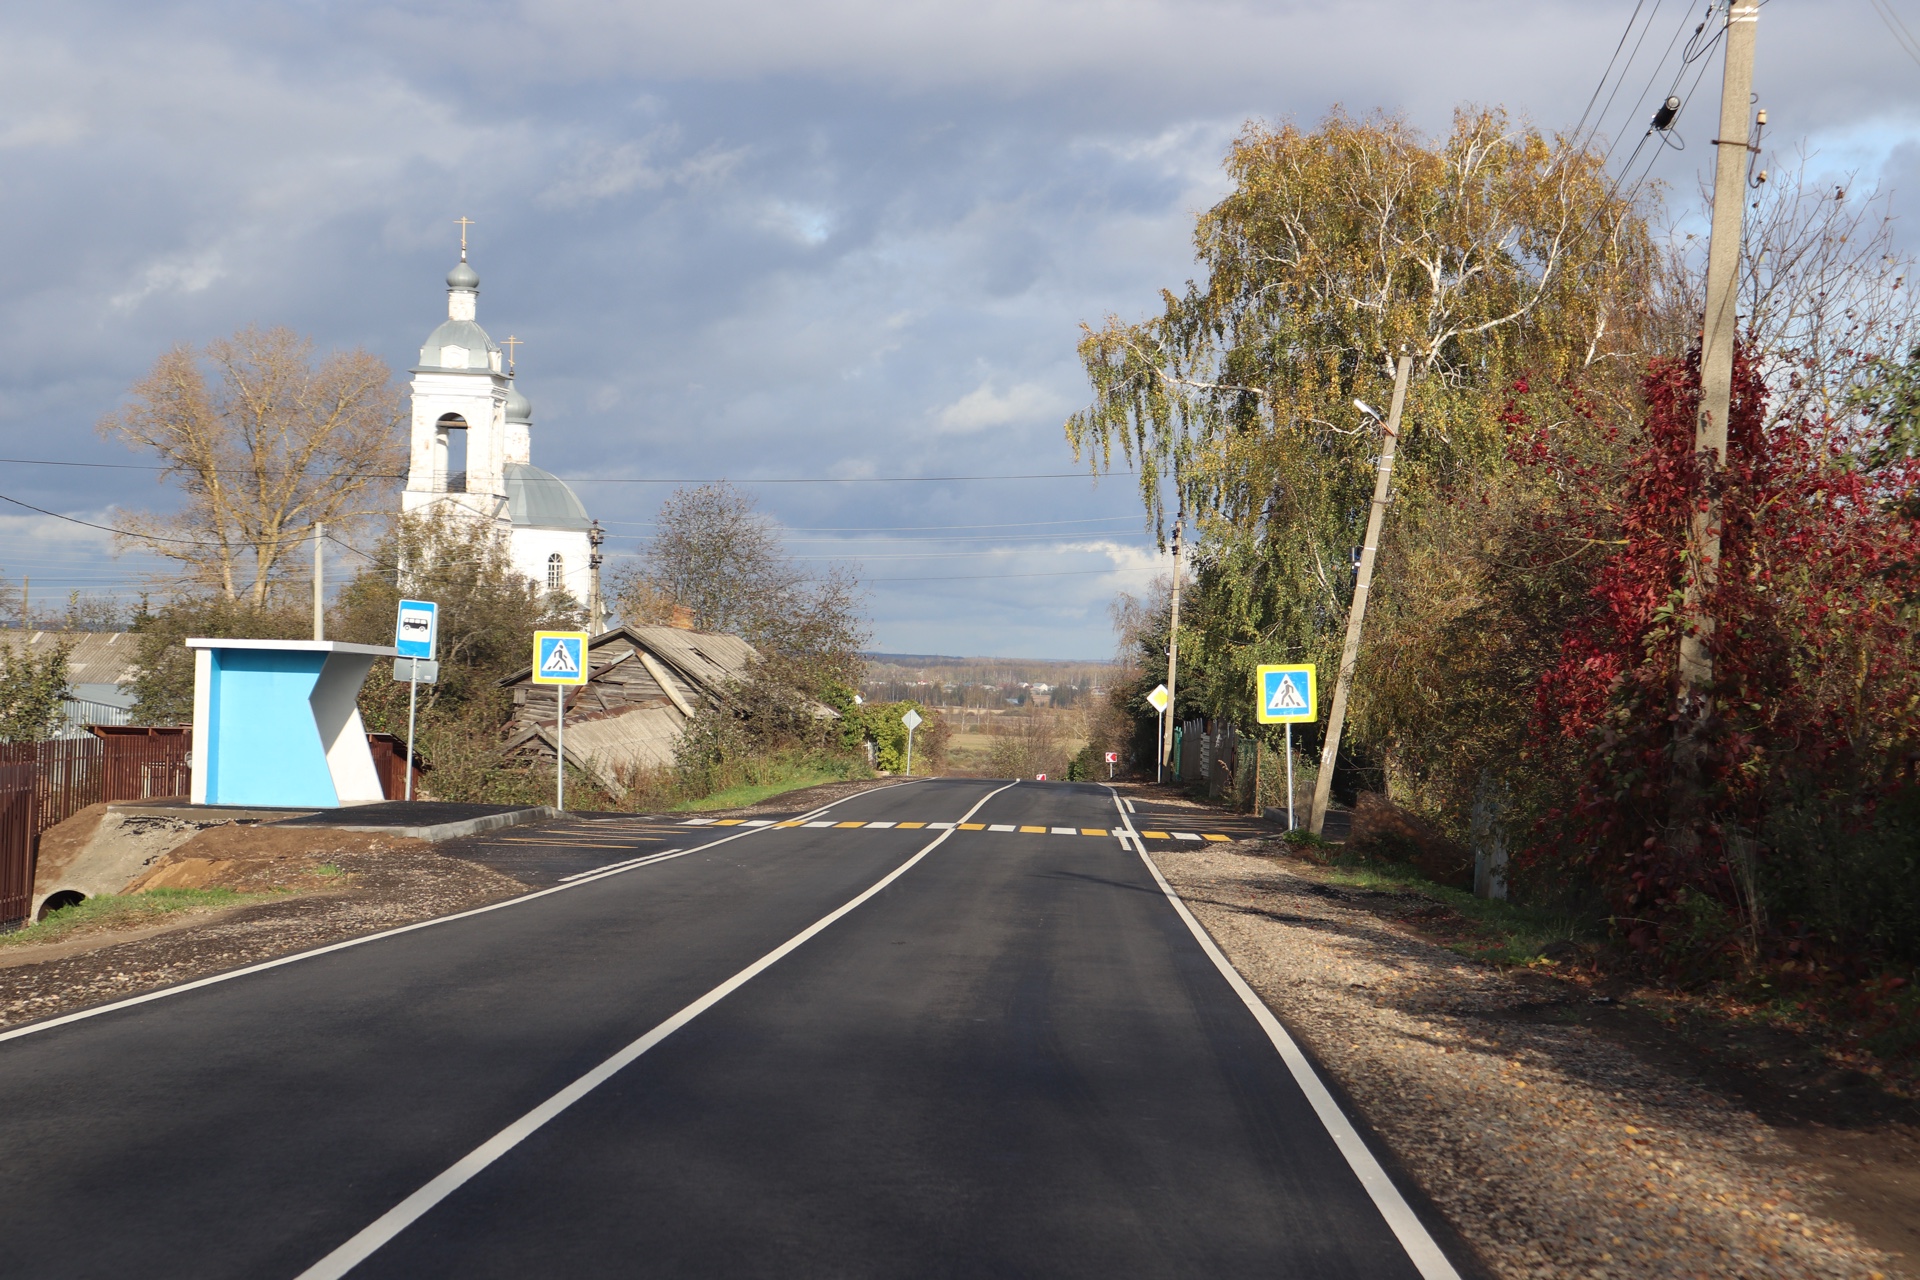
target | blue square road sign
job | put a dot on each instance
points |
(1287, 694)
(559, 657)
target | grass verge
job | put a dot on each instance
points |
(778, 778)
(112, 912)
(1497, 931)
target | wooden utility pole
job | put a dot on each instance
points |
(1173, 652)
(1717, 338)
(319, 587)
(1357, 615)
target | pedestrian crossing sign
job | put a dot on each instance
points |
(559, 657)
(1288, 694)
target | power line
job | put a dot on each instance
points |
(973, 577)
(1904, 37)
(898, 528)
(242, 471)
(1623, 70)
(143, 537)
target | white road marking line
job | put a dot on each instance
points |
(1066, 831)
(1401, 1219)
(1001, 826)
(598, 873)
(877, 826)
(941, 826)
(630, 863)
(1185, 835)
(699, 822)
(816, 824)
(403, 1215)
(759, 822)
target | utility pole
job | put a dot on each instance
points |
(1357, 615)
(1717, 339)
(319, 587)
(596, 609)
(1173, 650)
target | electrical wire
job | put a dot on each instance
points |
(1905, 38)
(1631, 58)
(1654, 75)
(974, 577)
(242, 471)
(898, 528)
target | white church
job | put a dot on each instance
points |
(461, 385)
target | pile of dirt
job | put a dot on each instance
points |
(265, 858)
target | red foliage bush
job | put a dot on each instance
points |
(1815, 678)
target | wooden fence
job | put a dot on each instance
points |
(42, 784)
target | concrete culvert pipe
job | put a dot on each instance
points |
(64, 898)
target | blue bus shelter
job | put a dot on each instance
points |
(277, 722)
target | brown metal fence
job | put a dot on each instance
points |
(42, 784)
(17, 837)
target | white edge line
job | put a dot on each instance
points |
(370, 1238)
(213, 979)
(1405, 1224)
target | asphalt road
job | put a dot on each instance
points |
(1014, 1057)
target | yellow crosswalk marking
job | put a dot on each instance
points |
(729, 822)
(1093, 831)
(1033, 830)
(1156, 835)
(911, 826)
(973, 826)
(1219, 837)
(849, 824)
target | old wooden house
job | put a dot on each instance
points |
(643, 685)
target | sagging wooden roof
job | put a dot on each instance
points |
(696, 662)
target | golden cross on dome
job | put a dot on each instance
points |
(464, 222)
(510, 342)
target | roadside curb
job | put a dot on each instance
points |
(464, 827)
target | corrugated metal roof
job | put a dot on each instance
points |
(98, 657)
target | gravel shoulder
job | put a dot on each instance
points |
(1553, 1148)
(371, 883)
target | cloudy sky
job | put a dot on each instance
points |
(794, 242)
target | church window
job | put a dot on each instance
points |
(556, 572)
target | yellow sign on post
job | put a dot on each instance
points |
(1288, 694)
(560, 658)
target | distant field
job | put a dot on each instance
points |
(967, 752)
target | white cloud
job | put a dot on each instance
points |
(45, 129)
(193, 273)
(983, 408)
(601, 171)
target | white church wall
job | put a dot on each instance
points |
(531, 547)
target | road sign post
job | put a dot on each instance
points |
(560, 659)
(1113, 758)
(1158, 700)
(912, 721)
(416, 634)
(1286, 694)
